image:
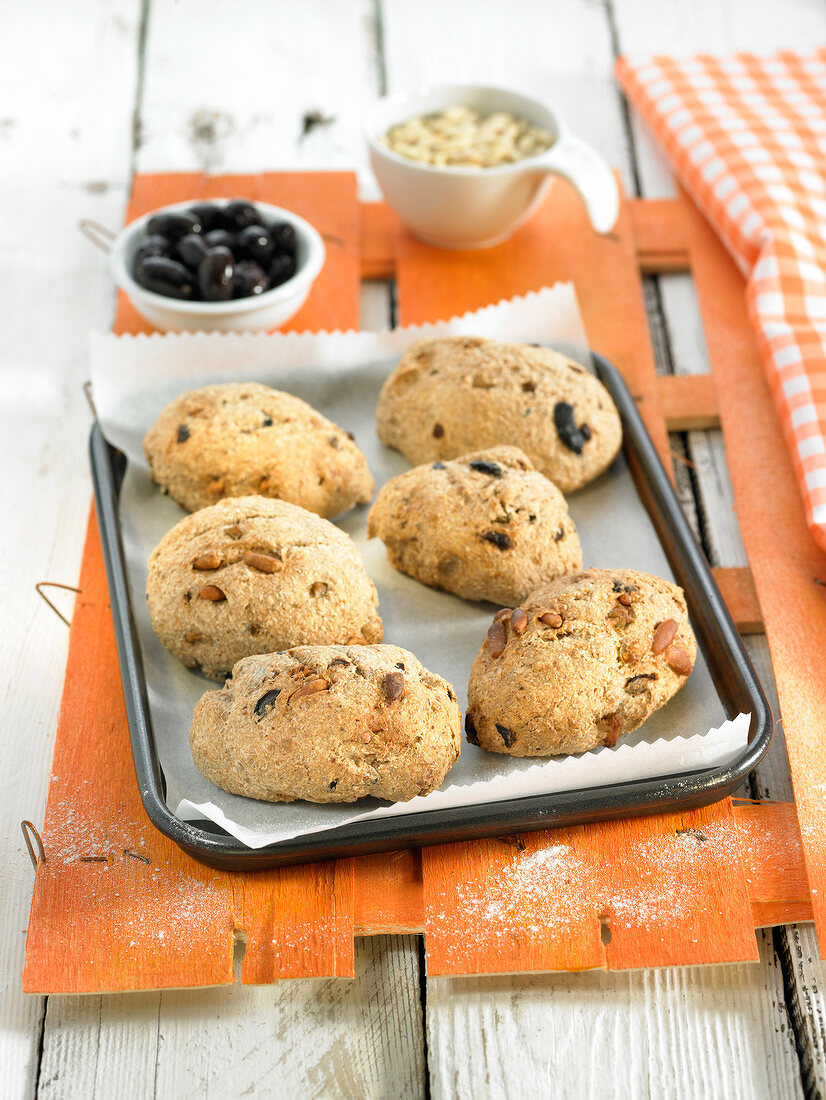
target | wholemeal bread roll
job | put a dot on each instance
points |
(584, 660)
(486, 526)
(328, 724)
(253, 575)
(241, 438)
(448, 397)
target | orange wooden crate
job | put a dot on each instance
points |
(673, 890)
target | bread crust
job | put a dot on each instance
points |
(243, 438)
(485, 526)
(252, 575)
(328, 724)
(598, 653)
(451, 396)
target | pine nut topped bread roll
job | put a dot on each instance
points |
(328, 724)
(584, 660)
(252, 575)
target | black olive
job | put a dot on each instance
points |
(254, 243)
(167, 277)
(250, 279)
(508, 736)
(216, 275)
(570, 435)
(191, 250)
(220, 238)
(266, 702)
(281, 269)
(492, 469)
(155, 245)
(173, 225)
(208, 214)
(284, 238)
(238, 214)
(499, 539)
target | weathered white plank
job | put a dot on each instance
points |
(669, 1034)
(232, 91)
(802, 963)
(65, 147)
(331, 1039)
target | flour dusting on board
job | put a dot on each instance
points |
(643, 881)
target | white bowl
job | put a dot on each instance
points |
(258, 312)
(461, 207)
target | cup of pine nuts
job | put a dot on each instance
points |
(464, 165)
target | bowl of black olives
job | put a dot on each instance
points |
(222, 265)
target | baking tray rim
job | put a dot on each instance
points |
(712, 622)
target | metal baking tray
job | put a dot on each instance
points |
(731, 670)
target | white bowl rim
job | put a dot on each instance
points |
(283, 292)
(526, 164)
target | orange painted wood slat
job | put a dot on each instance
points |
(659, 235)
(770, 849)
(773, 860)
(558, 244)
(658, 228)
(653, 891)
(379, 232)
(326, 199)
(737, 589)
(789, 569)
(388, 893)
(689, 401)
(102, 919)
(298, 922)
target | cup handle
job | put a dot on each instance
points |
(580, 164)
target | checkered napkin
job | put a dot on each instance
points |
(747, 137)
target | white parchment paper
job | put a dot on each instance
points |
(341, 374)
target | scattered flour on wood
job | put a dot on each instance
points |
(655, 882)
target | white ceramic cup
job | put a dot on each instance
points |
(257, 313)
(461, 207)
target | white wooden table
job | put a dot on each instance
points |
(91, 92)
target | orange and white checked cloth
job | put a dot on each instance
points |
(747, 137)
